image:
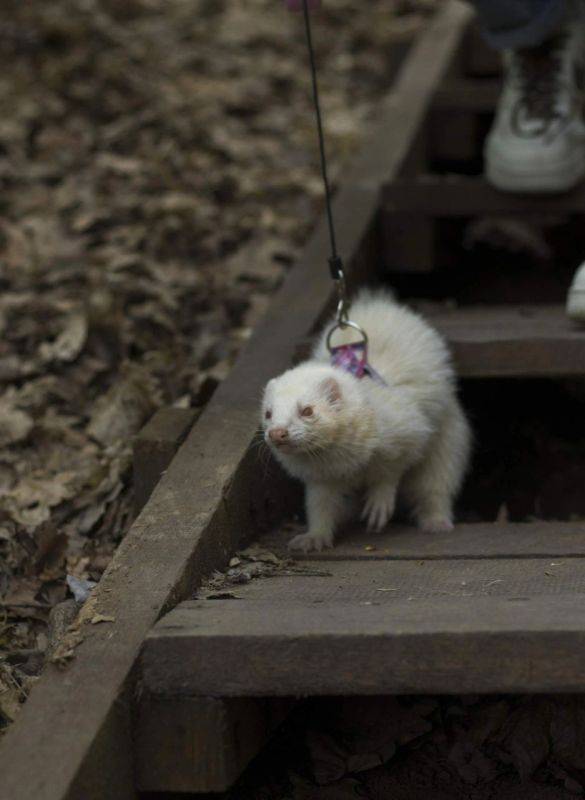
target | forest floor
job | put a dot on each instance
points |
(158, 172)
(424, 748)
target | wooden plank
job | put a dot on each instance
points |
(478, 58)
(512, 341)
(155, 446)
(200, 744)
(464, 94)
(384, 582)
(381, 628)
(460, 196)
(409, 248)
(487, 540)
(213, 495)
(455, 136)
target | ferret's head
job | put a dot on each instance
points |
(303, 409)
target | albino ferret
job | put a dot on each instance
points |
(343, 435)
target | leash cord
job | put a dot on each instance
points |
(335, 261)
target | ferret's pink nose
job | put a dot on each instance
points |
(278, 435)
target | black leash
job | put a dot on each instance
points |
(335, 262)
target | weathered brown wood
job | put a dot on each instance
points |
(381, 627)
(200, 744)
(454, 135)
(460, 196)
(511, 341)
(478, 540)
(409, 248)
(212, 496)
(155, 447)
(478, 58)
(464, 94)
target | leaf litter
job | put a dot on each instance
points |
(415, 748)
(158, 172)
(252, 563)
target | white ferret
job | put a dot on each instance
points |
(342, 435)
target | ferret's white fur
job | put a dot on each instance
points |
(362, 436)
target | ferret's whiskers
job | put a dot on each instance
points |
(262, 450)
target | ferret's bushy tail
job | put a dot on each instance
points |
(369, 295)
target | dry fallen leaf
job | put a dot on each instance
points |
(97, 618)
(15, 425)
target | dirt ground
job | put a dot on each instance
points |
(424, 748)
(421, 748)
(158, 172)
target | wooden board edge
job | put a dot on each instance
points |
(201, 744)
(480, 540)
(154, 448)
(530, 644)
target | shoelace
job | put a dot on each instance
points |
(539, 74)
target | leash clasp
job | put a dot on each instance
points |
(342, 320)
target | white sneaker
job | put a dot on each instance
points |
(537, 142)
(576, 296)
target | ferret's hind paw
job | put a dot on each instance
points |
(436, 524)
(306, 542)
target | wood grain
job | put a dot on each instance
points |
(194, 744)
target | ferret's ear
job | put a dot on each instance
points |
(331, 390)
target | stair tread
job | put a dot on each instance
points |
(508, 341)
(387, 625)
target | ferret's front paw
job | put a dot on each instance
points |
(436, 524)
(305, 542)
(379, 508)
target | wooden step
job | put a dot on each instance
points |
(387, 625)
(414, 208)
(466, 94)
(462, 196)
(512, 341)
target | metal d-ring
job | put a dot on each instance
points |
(346, 324)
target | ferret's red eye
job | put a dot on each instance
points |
(268, 415)
(307, 411)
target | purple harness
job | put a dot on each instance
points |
(353, 358)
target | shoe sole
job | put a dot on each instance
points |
(561, 178)
(575, 308)
(576, 296)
